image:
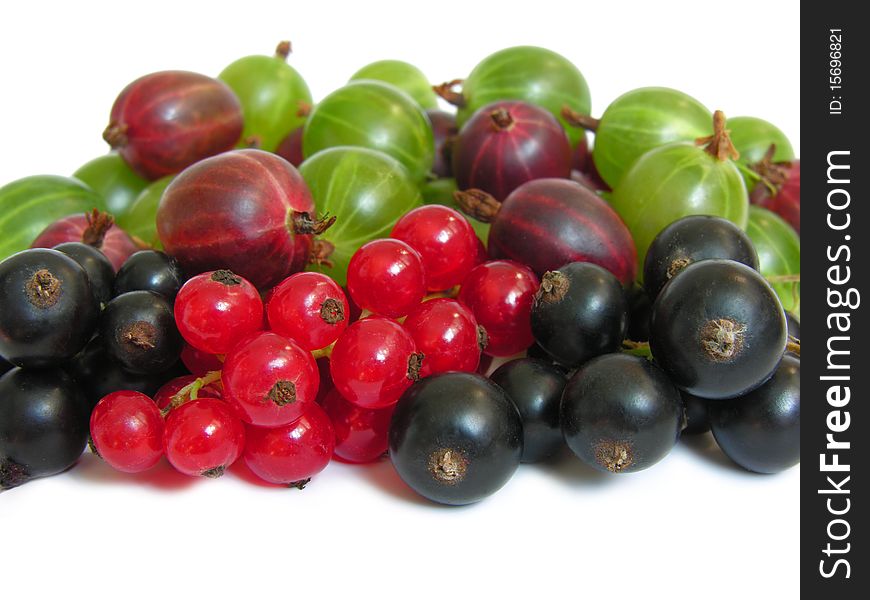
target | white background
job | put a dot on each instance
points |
(693, 525)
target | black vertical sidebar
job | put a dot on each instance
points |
(835, 436)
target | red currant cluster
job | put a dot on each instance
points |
(257, 391)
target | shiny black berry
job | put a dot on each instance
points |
(718, 329)
(535, 387)
(48, 308)
(579, 312)
(43, 424)
(100, 272)
(620, 413)
(138, 330)
(697, 420)
(761, 431)
(150, 270)
(689, 240)
(455, 438)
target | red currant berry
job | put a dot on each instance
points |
(361, 434)
(500, 294)
(214, 310)
(203, 437)
(445, 241)
(386, 277)
(164, 395)
(270, 380)
(127, 431)
(325, 379)
(198, 362)
(446, 332)
(293, 453)
(308, 308)
(374, 361)
(482, 256)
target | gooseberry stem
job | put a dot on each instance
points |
(283, 49)
(477, 204)
(719, 144)
(191, 390)
(447, 92)
(99, 224)
(575, 119)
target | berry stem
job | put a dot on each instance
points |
(448, 92)
(770, 174)
(303, 223)
(501, 119)
(636, 348)
(283, 50)
(325, 352)
(719, 144)
(575, 119)
(477, 204)
(774, 279)
(99, 224)
(321, 250)
(191, 390)
(115, 135)
(793, 345)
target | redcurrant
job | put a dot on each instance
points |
(127, 431)
(360, 433)
(445, 240)
(293, 453)
(374, 361)
(198, 362)
(203, 437)
(309, 308)
(270, 380)
(446, 332)
(214, 310)
(386, 277)
(500, 294)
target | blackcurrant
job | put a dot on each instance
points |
(697, 419)
(718, 329)
(579, 312)
(761, 431)
(620, 413)
(150, 270)
(535, 387)
(99, 268)
(455, 438)
(690, 239)
(43, 424)
(49, 311)
(99, 375)
(138, 330)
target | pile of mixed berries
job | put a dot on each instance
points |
(236, 307)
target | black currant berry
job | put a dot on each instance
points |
(100, 271)
(579, 312)
(620, 413)
(48, 308)
(138, 330)
(535, 351)
(697, 420)
(150, 270)
(692, 239)
(535, 387)
(43, 424)
(455, 438)
(761, 431)
(718, 329)
(99, 375)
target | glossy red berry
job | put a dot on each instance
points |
(500, 294)
(163, 396)
(309, 308)
(387, 277)
(361, 434)
(269, 380)
(127, 431)
(374, 361)
(214, 310)
(198, 362)
(203, 437)
(445, 240)
(447, 334)
(291, 454)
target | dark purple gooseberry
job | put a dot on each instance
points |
(547, 223)
(507, 143)
(445, 130)
(290, 148)
(166, 121)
